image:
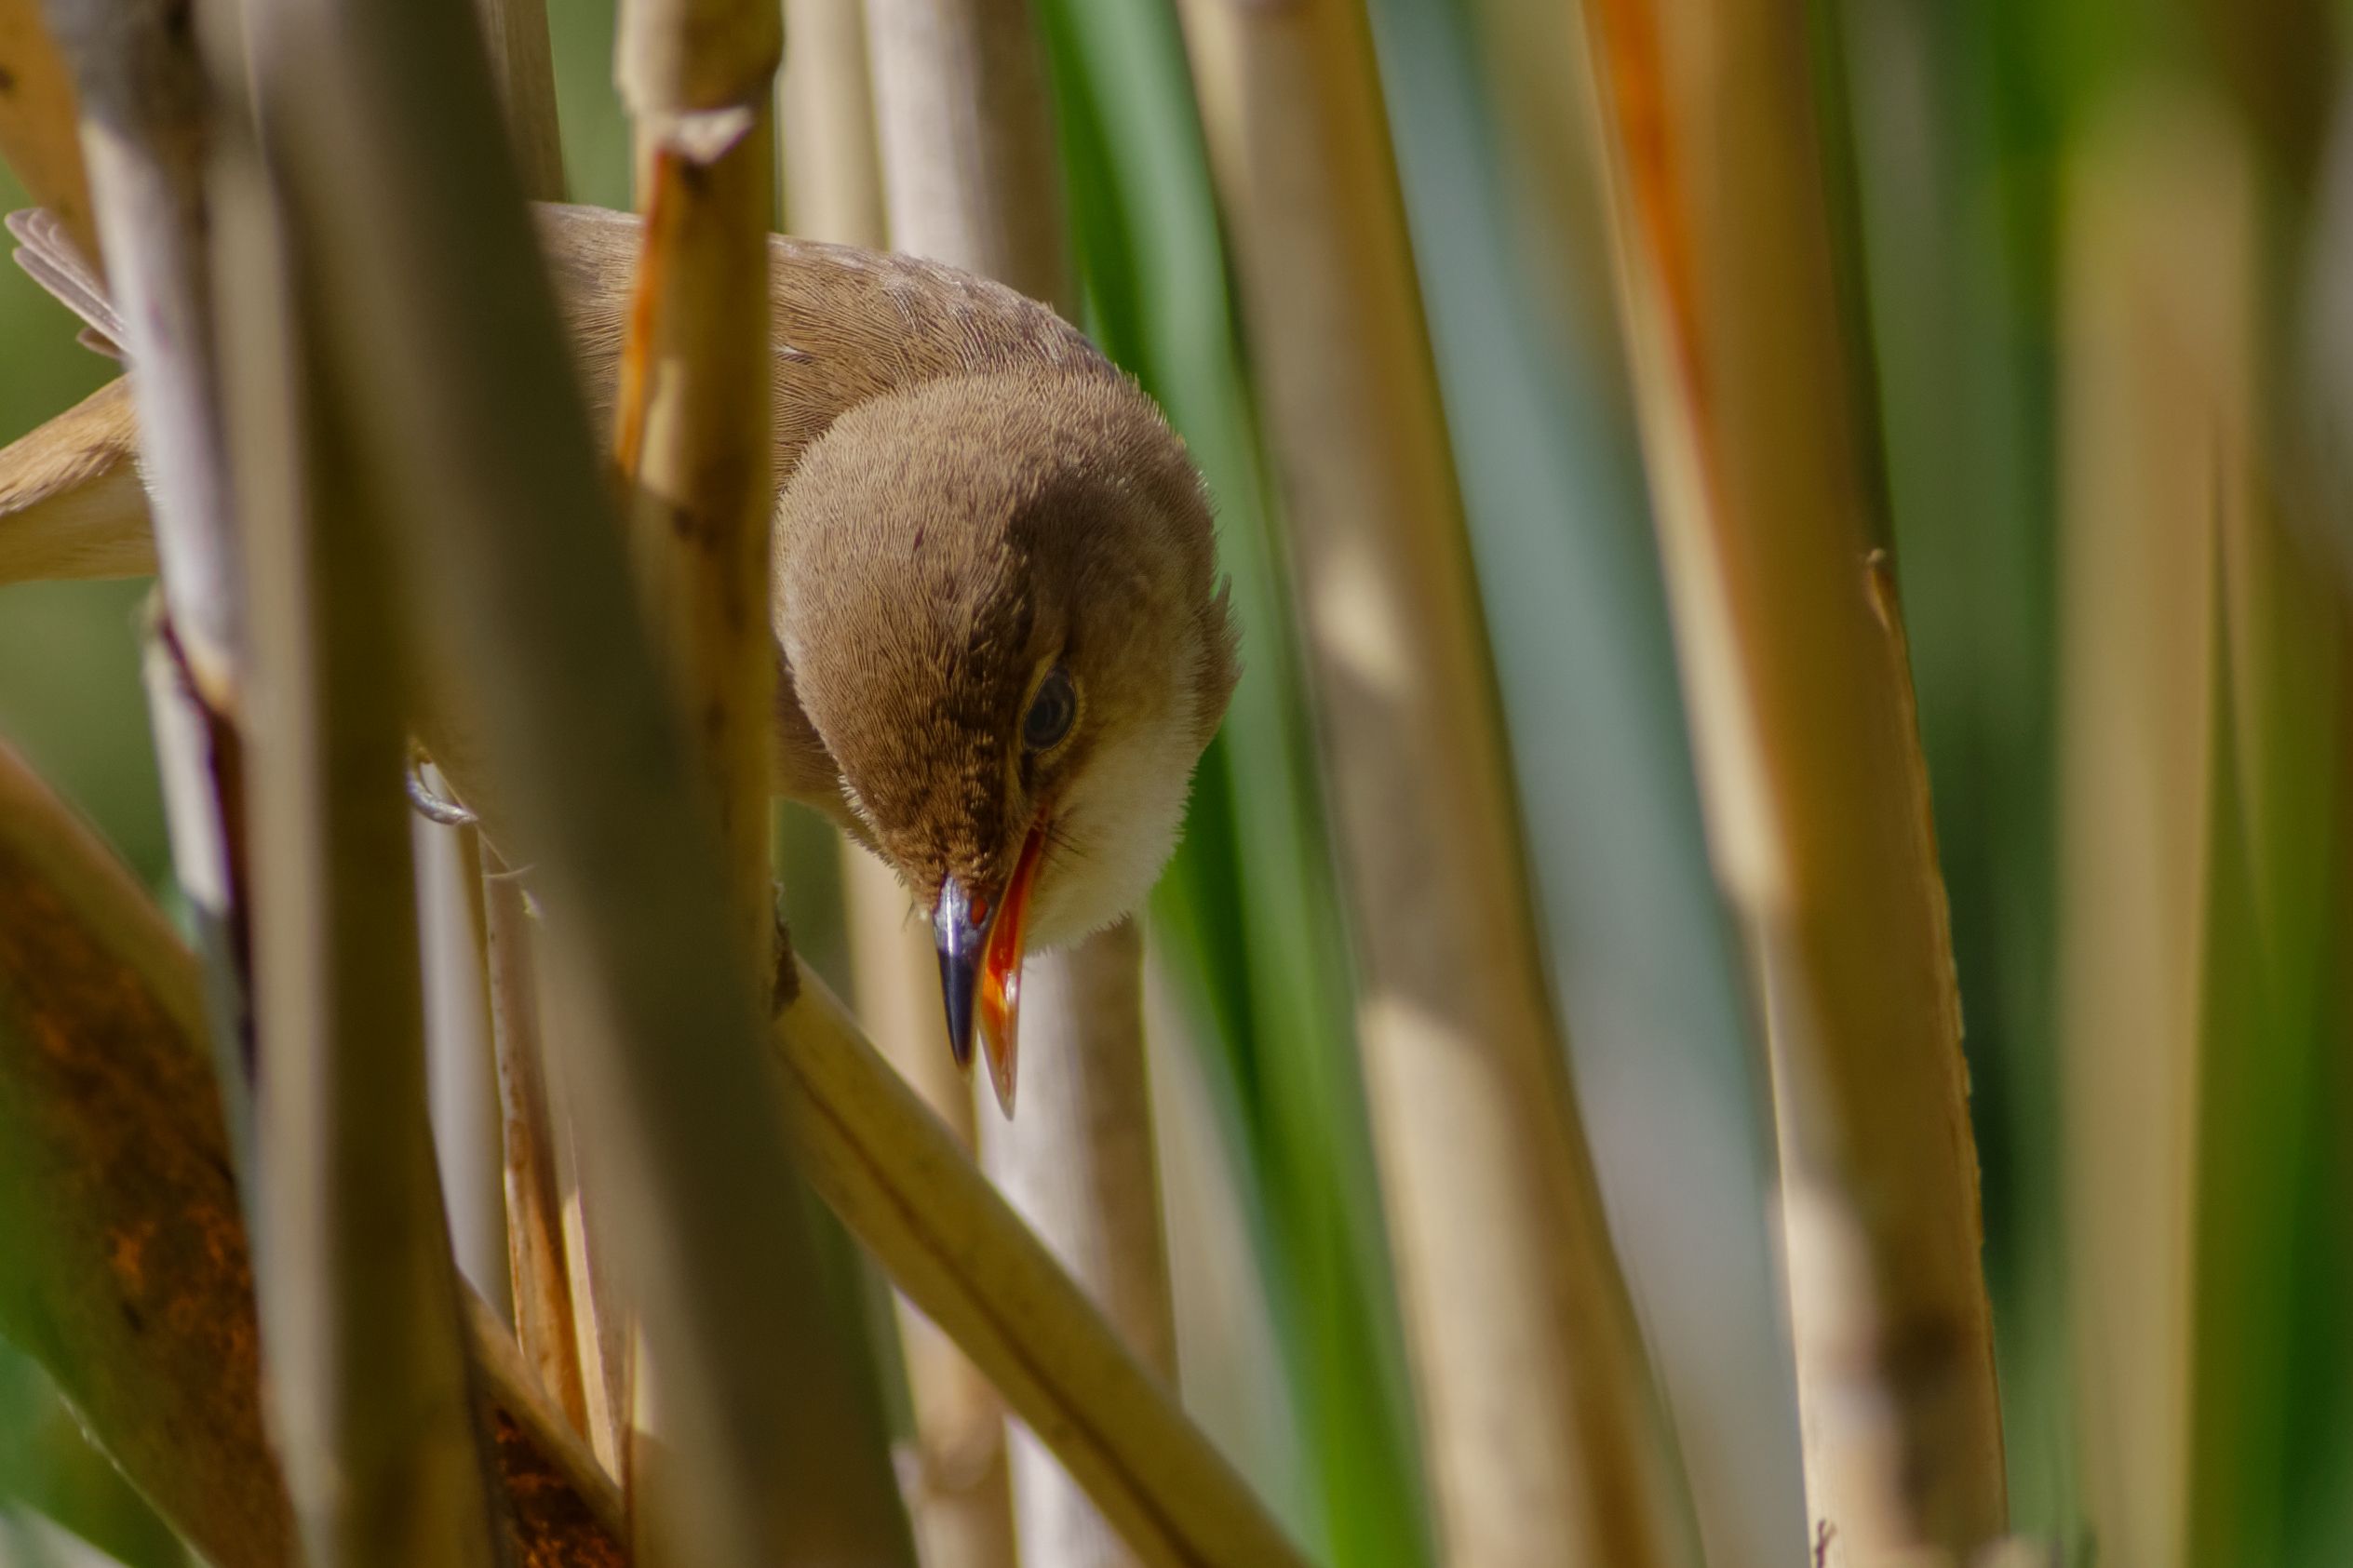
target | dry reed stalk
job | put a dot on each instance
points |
(966, 131)
(538, 1261)
(2157, 356)
(372, 1400)
(37, 115)
(128, 1274)
(501, 531)
(693, 433)
(1538, 1420)
(957, 1481)
(958, 1487)
(824, 126)
(1765, 487)
(556, 1320)
(462, 1092)
(967, 137)
(956, 1247)
(139, 90)
(1092, 1191)
(692, 440)
(523, 64)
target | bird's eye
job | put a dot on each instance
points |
(1051, 713)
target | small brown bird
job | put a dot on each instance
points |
(1003, 640)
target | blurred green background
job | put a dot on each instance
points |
(1953, 127)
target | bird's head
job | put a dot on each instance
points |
(1000, 608)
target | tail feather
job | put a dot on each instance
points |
(48, 255)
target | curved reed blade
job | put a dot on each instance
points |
(129, 1273)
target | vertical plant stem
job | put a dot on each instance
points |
(1761, 446)
(973, 179)
(957, 1489)
(2157, 373)
(695, 439)
(1093, 1195)
(373, 1398)
(141, 91)
(1540, 1429)
(523, 64)
(461, 1057)
(967, 137)
(824, 126)
(537, 1257)
(499, 525)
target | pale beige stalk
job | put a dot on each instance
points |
(956, 1247)
(972, 177)
(141, 92)
(498, 521)
(460, 1057)
(967, 137)
(372, 1400)
(824, 126)
(1078, 1164)
(538, 1257)
(1544, 1442)
(958, 1486)
(2157, 316)
(1764, 484)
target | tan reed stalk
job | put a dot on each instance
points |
(694, 441)
(1765, 486)
(139, 89)
(523, 64)
(37, 115)
(1080, 1167)
(2157, 361)
(371, 1398)
(537, 1257)
(375, 114)
(972, 178)
(461, 1091)
(958, 1487)
(557, 1317)
(128, 1274)
(1544, 1442)
(956, 1247)
(824, 126)
(966, 131)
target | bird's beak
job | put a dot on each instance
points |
(979, 938)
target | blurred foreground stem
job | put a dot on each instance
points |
(1540, 1430)
(1760, 440)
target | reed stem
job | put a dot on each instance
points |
(1536, 1403)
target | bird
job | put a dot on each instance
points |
(1003, 642)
